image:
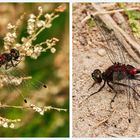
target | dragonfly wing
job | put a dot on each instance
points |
(131, 90)
(119, 77)
(113, 47)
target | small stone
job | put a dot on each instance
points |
(88, 57)
(101, 52)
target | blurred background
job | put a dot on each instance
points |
(51, 69)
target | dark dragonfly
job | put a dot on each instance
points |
(119, 70)
(10, 59)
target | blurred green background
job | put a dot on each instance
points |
(51, 69)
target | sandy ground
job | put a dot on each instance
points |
(95, 118)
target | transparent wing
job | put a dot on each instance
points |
(15, 80)
(133, 97)
(114, 46)
(131, 89)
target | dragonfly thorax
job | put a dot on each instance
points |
(119, 72)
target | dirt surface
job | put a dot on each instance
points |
(95, 118)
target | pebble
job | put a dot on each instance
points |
(101, 52)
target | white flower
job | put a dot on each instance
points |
(48, 25)
(34, 56)
(10, 26)
(29, 52)
(14, 35)
(5, 125)
(42, 113)
(53, 50)
(37, 49)
(31, 20)
(28, 44)
(23, 39)
(40, 9)
(12, 125)
(38, 109)
(18, 45)
(47, 16)
(40, 23)
(30, 32)
(32, 16)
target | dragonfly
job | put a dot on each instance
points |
(8, 59)
(12, 59)
(119, 70)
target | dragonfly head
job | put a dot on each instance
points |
(14, 53)
(97, 76)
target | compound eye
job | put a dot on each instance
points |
(97, 75)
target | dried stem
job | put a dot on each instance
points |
(114, 11)
(30, 106)
(108, 12)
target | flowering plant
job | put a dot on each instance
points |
(35, 25)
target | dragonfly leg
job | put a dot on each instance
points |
(114, 95)
(15, 64)
(94, 92)
(92, 86)
(8, 66)
(97, 90)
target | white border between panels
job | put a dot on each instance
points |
(70, 61)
